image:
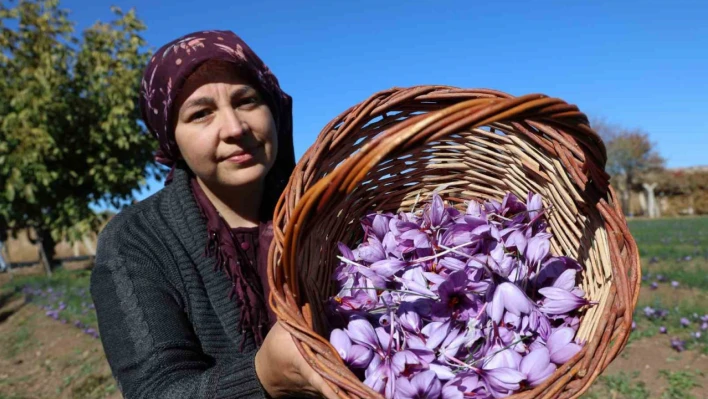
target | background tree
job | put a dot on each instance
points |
(630, 154)
(70, 134)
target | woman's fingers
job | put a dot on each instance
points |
(321, 385)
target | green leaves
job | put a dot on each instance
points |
(69, 133)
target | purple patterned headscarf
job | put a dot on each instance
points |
(162, 82)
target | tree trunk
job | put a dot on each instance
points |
(627, 195)
(89, 245)
(6, 259)
(46, 250)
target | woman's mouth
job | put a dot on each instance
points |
(240, 157)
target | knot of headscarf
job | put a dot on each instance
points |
(162, 82)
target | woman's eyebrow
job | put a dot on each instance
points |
(241, 91)
(201, 101)
(209, 101)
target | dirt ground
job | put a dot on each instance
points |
(649, 355)
(42, 358)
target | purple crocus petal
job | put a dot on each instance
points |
(452, 392)
(510, 297)
(534, 205)
(536, 344)
(443, 373)
(543, 375)
(415, 274)
(375, 279)
(559, 338)
(553, 268)
(422, 385)
(380, 226)
(362, 300)
(451, 263)
(464, 385)
(398, 226)
(359, 356)
(362, 332)
(474, 209)
(410, 320)
(502, 357)
(434, 278)
(458, 234)
(517, 240)
(419, 238)
(452, 344)
(373, 251)
(564, 354)
(416, 345)
(566, 280)
(341, 342)
(511, 319)
(345, 251)
(407, 360)
(539, 323)
(405, 389)
(503, 381)
(456, 300)
(375, 379)
(559, 301)
(384, 338)
(391, 245)
(414, 280)
(388, 267)
(577, 291)
(427, 384)
(560, 346)
(436, 332)
(537, 366)
(435, 212)
(537, 249)
(535, 361)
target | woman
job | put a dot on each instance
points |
(179, 282)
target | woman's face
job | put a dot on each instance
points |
(225, 131)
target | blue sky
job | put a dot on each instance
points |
(636, 63)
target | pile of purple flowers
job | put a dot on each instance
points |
(446, 304)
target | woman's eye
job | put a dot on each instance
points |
(248, 101)
(199, 115)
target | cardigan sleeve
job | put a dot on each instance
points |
(148, 339)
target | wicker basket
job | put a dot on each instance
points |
(402, 144)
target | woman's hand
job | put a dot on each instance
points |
(283, 371)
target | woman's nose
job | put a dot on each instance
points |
(233, 126)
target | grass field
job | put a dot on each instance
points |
(667, 355)
(666, 358)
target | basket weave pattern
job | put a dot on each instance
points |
(393, 150)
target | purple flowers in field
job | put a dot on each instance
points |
(684, 322)
(62, 303)
(678, 344)
(448, 304)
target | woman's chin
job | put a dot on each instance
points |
(242, 177)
